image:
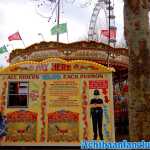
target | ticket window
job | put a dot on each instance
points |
(18, 93)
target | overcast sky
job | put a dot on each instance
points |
(22, 16)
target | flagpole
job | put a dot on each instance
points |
(23, 43)
(109, 36)
(67, 37)
(100, 37)
(58, 19)
(21, 39)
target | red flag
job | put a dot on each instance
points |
(106, 33)
(15, 36)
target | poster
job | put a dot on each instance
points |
(21, 127)
(63, 107)
(98, 89)
(63, 126)
(63, 93)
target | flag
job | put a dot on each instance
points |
(3, 49)
(15, 36)
(106, 33)
(62, 28)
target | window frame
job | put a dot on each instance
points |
(8, 94)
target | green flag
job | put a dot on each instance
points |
(62, 28)
(3, 49)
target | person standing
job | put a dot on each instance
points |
(96, 108)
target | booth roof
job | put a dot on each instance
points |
(100, 67)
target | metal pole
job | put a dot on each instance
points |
(58, 19)
(23, 43)
(109, 35)
(21, 39)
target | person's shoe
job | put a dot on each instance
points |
(101, 138)
(95, 138)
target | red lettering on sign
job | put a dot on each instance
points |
(61, 67)
(98, 84)
(42, 67)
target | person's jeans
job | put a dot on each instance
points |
(97, 117)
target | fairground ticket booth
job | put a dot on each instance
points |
(49, 102)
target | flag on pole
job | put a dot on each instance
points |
(15, 36)
(106, 33)
(62, 28)
(3, 49)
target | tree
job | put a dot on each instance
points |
(137, 36)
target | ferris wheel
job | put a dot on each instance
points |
(108, 7)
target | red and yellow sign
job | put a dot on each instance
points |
(58, 95)
(21, 126)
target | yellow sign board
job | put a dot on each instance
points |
(57, 102)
